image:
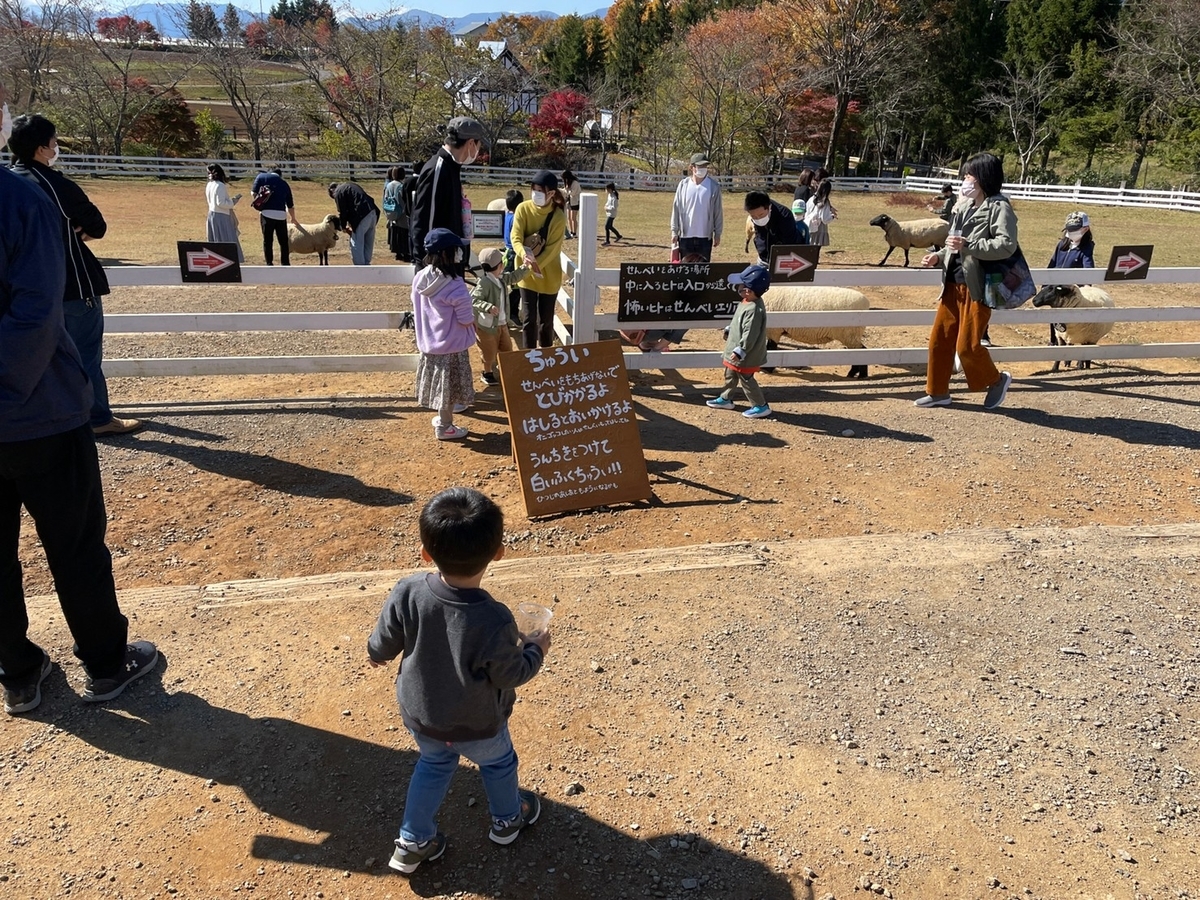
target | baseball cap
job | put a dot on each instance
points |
(442, 239)
(464, 128)
(1078, 220)
(546, 179)
(699, 159)
(754, 277)
(490, 258)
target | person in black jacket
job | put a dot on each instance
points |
(359, 215)
(34, 145)
(440, 202)
(773, 225)
(48, 463)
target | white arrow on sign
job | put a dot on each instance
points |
(207, 261)
(1130, 262)
(791, 264)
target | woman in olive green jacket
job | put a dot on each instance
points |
(983, 227)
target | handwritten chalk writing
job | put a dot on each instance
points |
(569, 452)
(558, 356)
(571, 396)
(555, 421)
(582, 475)
(568, 379)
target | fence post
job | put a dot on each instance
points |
(586, 292)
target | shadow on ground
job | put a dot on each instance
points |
(349, 794)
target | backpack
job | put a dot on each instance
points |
(260, 198)
(389, 202)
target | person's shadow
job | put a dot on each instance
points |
(349, 794)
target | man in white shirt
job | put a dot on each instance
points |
(696, 217)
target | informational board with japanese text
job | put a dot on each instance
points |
(574, 432)
(662, 292)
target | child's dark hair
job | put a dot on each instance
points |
(513, 199)
(443, 261)
(988, 171)
(757, 200)
(823, 190)
(461, 529)
(612, 189)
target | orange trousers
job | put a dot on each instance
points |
(958, 326)
(490, 345)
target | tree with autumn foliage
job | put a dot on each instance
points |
(558, 118)
(128, 29)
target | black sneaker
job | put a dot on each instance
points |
(505, 832)
(407, 856)
(26, 696)
(140, 658)
(489, 378)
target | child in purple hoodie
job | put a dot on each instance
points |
(445, 326)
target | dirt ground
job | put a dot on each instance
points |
(917, 653)
(854, 649)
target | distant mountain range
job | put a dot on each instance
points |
(169, 18)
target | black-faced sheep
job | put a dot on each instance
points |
(797, 298)
(915, 233)
(1074, 296)
(318, 239)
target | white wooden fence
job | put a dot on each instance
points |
(580, 305)
(625, 179)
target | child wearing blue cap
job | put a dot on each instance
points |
(746, 345)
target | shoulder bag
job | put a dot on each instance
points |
(261, 196)
(1007, 283)
(536, 242)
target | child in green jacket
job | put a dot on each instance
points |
(746, 346)
(490, 300)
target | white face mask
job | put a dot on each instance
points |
(702, 172)
(539, 198)
(458, 254)
(969, 189)
(53, 157)
(1075, 236)
(5, 127)
(474, 156)
(763, 221)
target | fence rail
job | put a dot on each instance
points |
(627, 179)
(586, 281)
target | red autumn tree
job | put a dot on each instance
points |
(558, 115)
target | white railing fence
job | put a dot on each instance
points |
(586, 323)
(625, 179)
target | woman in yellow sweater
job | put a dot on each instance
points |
(539, 226)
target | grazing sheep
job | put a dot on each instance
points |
(749, 233)
(1074, 296)
(318, 239)
(914, 233)
(497, 204)
(797, 298)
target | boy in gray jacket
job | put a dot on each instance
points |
(490, 302)
(746, 345)
(463, 659)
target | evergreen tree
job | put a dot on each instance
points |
(202, 22)
(626, 59)
(231, 25)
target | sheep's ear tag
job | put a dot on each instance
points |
(206, 262)
(1129, 263)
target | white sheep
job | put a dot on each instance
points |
(798, 298)
(498, 204)
(318, 239)
(1075, 296)
(913, 233)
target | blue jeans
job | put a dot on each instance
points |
(497, 761)
(362, 241)
(85, 324)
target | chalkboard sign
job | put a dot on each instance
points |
(574, 433)
(664, 292)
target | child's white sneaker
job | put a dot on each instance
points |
(408, 855)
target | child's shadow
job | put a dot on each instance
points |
(352, 791)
